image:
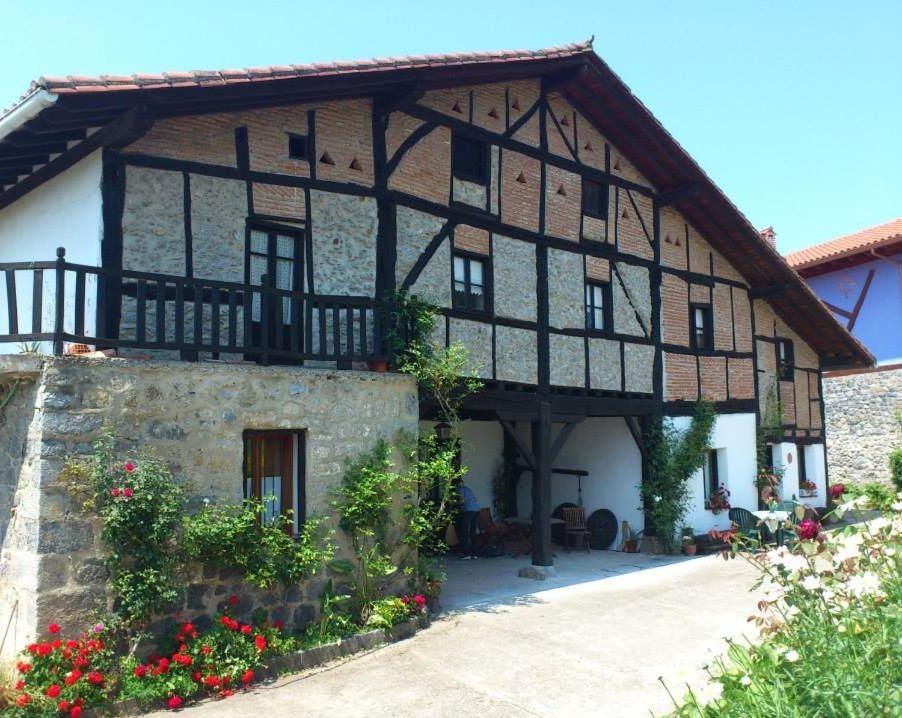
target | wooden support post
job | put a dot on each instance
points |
(541, 488)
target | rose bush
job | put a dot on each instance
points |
(831, 620)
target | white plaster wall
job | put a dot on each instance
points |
(816, 468)
(786, 459)
(64, 212)
(605, 448)
(734, 439)
(481, 446)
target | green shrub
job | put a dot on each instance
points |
(388, 612)
(895, 467)
(878, 496)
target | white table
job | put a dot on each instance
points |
(774, 515)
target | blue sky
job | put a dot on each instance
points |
(794, 109)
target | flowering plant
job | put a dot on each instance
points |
(768, 483)
(837, 491)
(216, 662)
(61, 677)
(831, 627)
(389, 612)
(719, 500)
(809, 486)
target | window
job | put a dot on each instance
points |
(803, 470)
(595, 199)
(598, 306)
(274, 473)
(711, 474)
(702, 330)
(785, 360)
(469, 283)
(470, 159)
(297, 147)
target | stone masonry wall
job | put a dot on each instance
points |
(193, 415)
(861, 428)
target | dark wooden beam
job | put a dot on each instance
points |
(632, 423)
(541, 488)
(769, 290)
(525, 452)
(22, 138)
(684, 192)
(561, 439)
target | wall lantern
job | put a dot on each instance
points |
(443, 431)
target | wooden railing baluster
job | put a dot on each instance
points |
(80, 278)
(37, 297)
(141, 312)
(11, 302)
(60, 302)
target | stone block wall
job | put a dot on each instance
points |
(861, 427)
(192, 415)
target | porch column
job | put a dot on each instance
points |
(541, 488)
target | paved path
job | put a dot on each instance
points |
(591, 649)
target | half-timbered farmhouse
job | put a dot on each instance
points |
(208, 223)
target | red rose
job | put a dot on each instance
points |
(53, 691)
(260, 642)
(233, 600)
(246, 629)
(22, 700)
(128, 492)
(53, 628)
(72, 677)
(75, 712)
(809, 529)
(174, 703)
(140, 671)
(837, 490)
(62, 706)
(129, 467)
(247, 677)
(115, 492)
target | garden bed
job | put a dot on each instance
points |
(299, 660)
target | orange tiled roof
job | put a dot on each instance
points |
(847, 245)
(206, 78)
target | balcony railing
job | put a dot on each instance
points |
(60, 302)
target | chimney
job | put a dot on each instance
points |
(769, 236)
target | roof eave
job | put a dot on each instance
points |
(29, 107)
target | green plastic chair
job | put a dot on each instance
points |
(786, 532)
(747, 522)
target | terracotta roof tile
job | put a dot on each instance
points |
(84, 84)
(845, 246)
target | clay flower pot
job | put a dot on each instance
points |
(379, 366)
(690, 549)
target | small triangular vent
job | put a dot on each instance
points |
(326, 159)
(521, 178)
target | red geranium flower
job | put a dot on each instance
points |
(32, 647)
(71, 644)
(115, 492)
(128, 492)
(20, 684)
(140, 671)
(233, 600)
(75, 712)
(53, 691)
(44, 649)
(246, 629)
(23, 667)
(228, 693)
(809, 529)
(247, 677)
(72, 677)
(188, 628)
(206, 650)
(53, 628)
(196, 677)
(95, 678)
(57, 643)
(81, 662)
(62, 706)
(279, 625)
(211, 681)
(174, 703)
(22, 700)
(260, 642)
(129, 466)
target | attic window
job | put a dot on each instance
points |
(595, 199)
(297, 147)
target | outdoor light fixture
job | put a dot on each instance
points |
(443, 431)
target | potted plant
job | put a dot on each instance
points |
(808, 489)
(689, 546)
(719, 500)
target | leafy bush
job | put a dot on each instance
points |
(61, 677)
(895, 467)
(141, 507)
(832, 626)
(878, 496)
(239, 537)
(391, 611)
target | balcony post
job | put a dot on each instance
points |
(60, 302)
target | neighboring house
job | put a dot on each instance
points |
(859, 278)
(214, 220)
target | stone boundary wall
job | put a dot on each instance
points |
(192, 415)
(861, 427)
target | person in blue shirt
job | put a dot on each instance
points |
(466, 521)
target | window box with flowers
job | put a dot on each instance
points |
(719, 500)
(808, 490)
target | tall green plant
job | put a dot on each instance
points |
(673, 457)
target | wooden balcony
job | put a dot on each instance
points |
(143, 311)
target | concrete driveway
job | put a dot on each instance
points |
(588, 649)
